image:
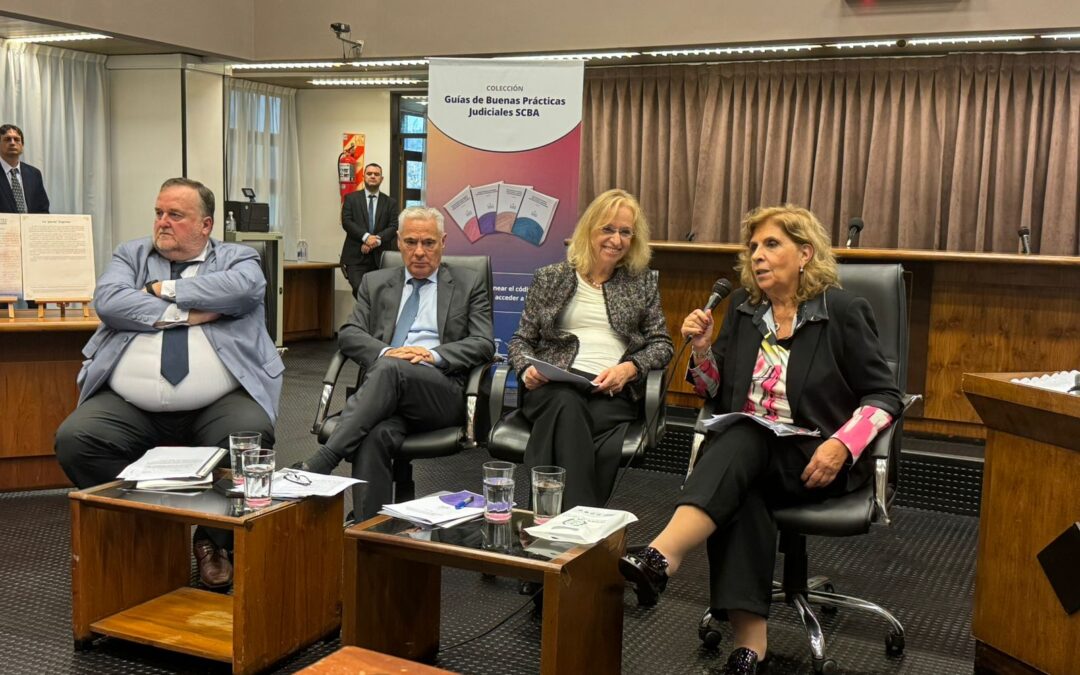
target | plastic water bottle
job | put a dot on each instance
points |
(301, 250)
(230, 223)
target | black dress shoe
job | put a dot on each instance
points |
(647, 571)
(742, 661)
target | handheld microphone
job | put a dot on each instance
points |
(690, 236)
(1025, 240)
(720, 290)
(854, 228)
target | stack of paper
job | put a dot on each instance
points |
(170, 468)
(582, 525)
(1063, 381)
(439, 510)
(296, 484)
(721, 422)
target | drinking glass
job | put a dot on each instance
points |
(498, 491)
(258, 468)
(548, 484)
(238, 443)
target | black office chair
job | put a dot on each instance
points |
(428, 444)
(850, 514)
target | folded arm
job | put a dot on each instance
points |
(120, 303)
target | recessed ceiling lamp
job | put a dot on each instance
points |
(723, 51)
(865, 44)
(62, 37)
(389, 63)
(287, 66)
(572, 57)
(1061, 36)
(363, 81)
(968, 40)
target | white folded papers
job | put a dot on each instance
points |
(1062, 381)
(557, 374)
(176, 485)
(721, 422)
(442, 509)
(582, 525)
(297, 484)
(173, 462)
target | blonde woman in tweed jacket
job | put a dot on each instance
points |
(597, 314)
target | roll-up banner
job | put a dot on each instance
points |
(504, 145)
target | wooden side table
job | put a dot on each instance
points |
(130, 567)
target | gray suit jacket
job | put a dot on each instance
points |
(229, 282)
(464, 318)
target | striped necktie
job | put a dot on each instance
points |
(408, 313)
(16, 189)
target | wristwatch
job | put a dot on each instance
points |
(150, 287)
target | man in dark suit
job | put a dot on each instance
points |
(416, 332)
(370, 220)
(23, 190)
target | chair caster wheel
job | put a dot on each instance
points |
(709, 631)
(826, 667)
(830, 610)
(894, 644)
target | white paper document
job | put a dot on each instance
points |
(557, 374)
(721, 422)
(57, 256)
(444, 509)
(1062, 381)
(183, 486)
(173, 462)
(10, 254)
(296, 484)
(582, 525)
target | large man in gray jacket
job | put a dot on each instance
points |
(416, 332)
(182, 355)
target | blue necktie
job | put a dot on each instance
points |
(408, 313)
(174, 345)
(371, 212)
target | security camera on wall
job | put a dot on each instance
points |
(343, 32)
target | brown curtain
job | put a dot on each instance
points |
(954, 152)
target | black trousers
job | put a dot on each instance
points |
(395, 398)
(356, 271)
(745, 471)
(580, 431)
(106, 433)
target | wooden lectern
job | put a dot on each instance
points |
(1031, 494)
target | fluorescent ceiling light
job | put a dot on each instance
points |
(748, 49)
(363, 81)
(572, 57)
(62, 37)
(422, 100)
(968, 40)
(1061, 36)
(865, 44)
(389, 63)
(287, 66)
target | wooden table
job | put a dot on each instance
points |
(131, 564)
(392, 592)
(39, 361)
(968, 312)
(357, 661)
(1031, 494)
(309, 300)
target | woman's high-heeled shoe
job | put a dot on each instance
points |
(742, 661)
(647, 571)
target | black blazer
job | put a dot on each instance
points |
(836, 366)
(37, 200)
(354, 220)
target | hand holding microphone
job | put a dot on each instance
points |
(697, 327)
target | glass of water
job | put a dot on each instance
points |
(548, 484)
(498, 491)
(258, 467)
(240, 442)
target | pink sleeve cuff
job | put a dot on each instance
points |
(864, 426)
(704, 376)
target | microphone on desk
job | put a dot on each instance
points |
(1025, 240)
(690, 236)
(853, 231)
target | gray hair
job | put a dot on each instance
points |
(422, 213)
(206, 195)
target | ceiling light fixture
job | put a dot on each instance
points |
(721, 51)
(287, 66)
(865, 44)
(572, 57)
(968, 40)
(62, 37)
(363, 81)
(389, 63)
(1061, 36)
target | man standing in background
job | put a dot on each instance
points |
(23, 190)
(369, 219)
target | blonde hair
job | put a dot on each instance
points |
(600, 213)
(802, 227)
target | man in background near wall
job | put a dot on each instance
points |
(23, 191)
(369, 219)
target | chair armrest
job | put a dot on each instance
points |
(655, 408)
(885, 465)
(479, 377)
(496, 406)
(329, 380)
